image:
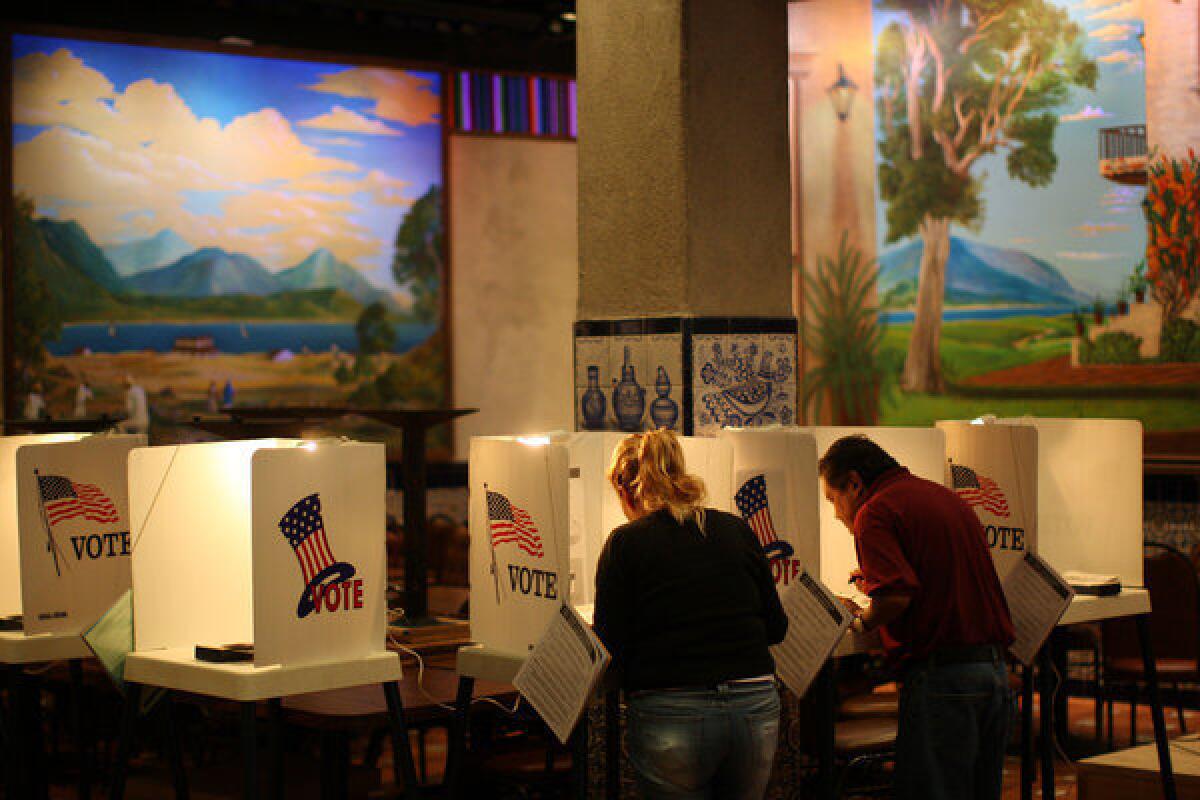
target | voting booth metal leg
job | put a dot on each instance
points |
(275, 747)
(1156, 710)
(826, 696)
(82, 754)
(1027, 732)
(174, 750)
(24, 696)
(12, 763)
(402, 758)
(579, 758)
(457, 745)
(249, 718)
(133, 699)
(612, 744)
(1046, 720)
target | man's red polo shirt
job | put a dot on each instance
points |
(918, 538)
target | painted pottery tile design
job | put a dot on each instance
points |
(737, 381)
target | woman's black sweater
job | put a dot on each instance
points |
(679, 608)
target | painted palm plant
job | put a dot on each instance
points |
(842, 331)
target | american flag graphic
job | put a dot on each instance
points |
(978, 490)
(305, 531)
(511, 523)
(63, 499)
(751, 501)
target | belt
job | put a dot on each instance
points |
(736, 683)
(960, 654)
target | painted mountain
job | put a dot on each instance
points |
(140, 255)
(205, 273)
(976, 273)
(72, 244)
(322, 270)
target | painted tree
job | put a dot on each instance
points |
(958, 80)
(417, 259)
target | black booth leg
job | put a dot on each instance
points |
(25, 692)
(12, 742)
(612, 744)
(275, 747)
(174, 749)
(1046, 720)
(82, 750)
(826, 695)
(402, 757)
(458, 736)
(579, 757)
(1027, 732)
(249, 715)
(335, 765)
(133, 701)
(1156, 710)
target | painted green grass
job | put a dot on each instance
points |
(978, 346)
(972, 347)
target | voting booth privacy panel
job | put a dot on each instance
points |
(541, 510)
(994, 468)
(774, 490)
(277, 543)
(64, 527)
(1089, 495)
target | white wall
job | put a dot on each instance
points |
(514, 284)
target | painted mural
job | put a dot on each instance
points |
(1012, 271)
(196, 230)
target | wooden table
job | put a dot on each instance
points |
(338, 715)
(1134, 772)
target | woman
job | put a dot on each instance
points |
(686, 605)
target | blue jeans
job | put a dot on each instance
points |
(954, 721)
(717, 743)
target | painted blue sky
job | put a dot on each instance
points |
(267, 156)
(1091, 229)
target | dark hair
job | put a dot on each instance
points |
(854, 453)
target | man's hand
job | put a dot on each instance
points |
(858, 581)
(851, 606)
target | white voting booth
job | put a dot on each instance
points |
(994, 468)
(775, 489)
(277, 543)
(541, 510)
(1089, 495)
(63, 528)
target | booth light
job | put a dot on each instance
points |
(309, 446)
(984, 419)
(534, 441)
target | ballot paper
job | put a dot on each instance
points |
(816, 623)
(561, 671)
(1037, 598)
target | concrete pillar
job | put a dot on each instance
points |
(684, 244)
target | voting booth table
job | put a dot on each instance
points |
(541, 510)
(1069, 490)
(259, 573)
(64, 531)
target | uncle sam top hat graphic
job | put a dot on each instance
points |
(304, 530)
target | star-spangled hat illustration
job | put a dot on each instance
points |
(304, 530)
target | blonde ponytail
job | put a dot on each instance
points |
(649, 468)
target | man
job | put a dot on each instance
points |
(941, 614)
(137, 412)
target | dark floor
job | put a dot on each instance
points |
(221, 774)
